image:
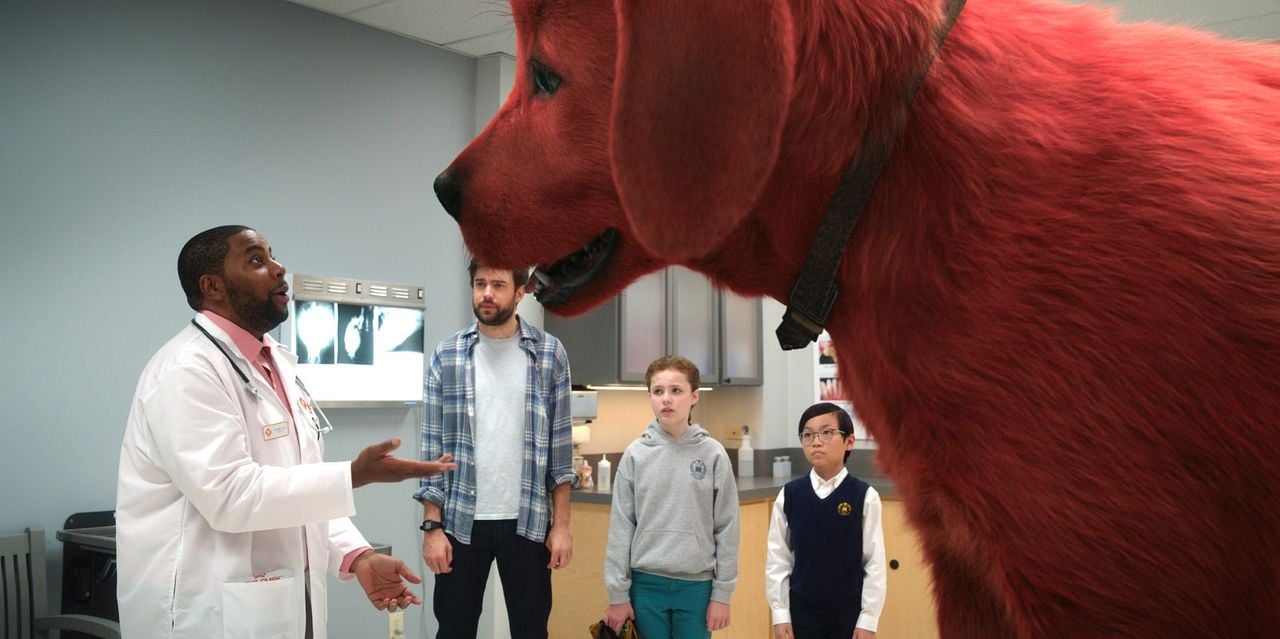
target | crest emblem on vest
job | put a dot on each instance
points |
(698, 469)
(844, 509)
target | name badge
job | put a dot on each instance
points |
(275, 431)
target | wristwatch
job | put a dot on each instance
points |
(429, 525)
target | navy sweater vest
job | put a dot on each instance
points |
(826, 539)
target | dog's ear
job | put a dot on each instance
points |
(699, 101)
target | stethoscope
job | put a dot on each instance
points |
(308, 405)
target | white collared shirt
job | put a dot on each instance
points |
(780, 559)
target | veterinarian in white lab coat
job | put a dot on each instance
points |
(227, 516)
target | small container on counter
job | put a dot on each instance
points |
(782, 466)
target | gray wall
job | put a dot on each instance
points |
(128, 126)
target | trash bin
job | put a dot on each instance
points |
(89, 567)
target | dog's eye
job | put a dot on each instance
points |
(545, 81)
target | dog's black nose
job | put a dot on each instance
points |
(449, 192)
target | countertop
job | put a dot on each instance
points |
(749, 489)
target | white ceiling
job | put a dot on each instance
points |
(470, 27)
(480, 27)
(1246, 19)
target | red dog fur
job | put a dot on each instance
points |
(1061, 309)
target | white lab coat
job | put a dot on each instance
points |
(206, 500)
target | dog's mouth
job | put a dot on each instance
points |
(555, 284)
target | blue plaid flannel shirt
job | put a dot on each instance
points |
(449, 404)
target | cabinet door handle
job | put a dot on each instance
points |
(893, 564)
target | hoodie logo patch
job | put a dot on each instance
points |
(698, 469)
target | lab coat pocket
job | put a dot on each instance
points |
(262, 607)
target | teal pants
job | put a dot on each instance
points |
(670, 608)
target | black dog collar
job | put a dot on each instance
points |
(815, 291)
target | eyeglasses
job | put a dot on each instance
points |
(823, 436)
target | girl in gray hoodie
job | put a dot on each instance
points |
(672, 558)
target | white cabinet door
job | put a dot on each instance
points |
(694, 313)
(740, 326)
(643, 324)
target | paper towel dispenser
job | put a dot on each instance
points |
(582, 405)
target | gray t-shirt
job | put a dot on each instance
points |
(502, 371)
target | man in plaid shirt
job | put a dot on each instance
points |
(497, 398)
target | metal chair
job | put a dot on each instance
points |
(24, 594)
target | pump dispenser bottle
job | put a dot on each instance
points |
(746, 455)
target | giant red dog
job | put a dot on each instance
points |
(1061, 304)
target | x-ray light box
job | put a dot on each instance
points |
(358, 342)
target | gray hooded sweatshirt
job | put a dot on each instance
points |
(675, 514)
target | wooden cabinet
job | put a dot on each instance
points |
(578, 598)
(674, 311)
(908, 606)
(749, 610)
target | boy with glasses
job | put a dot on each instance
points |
(825, 569)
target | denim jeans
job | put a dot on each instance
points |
(670, 608)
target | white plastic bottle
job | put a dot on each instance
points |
(746, 455)
(604, 481)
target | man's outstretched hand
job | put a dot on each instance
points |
(382, 578)
(376, 464)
